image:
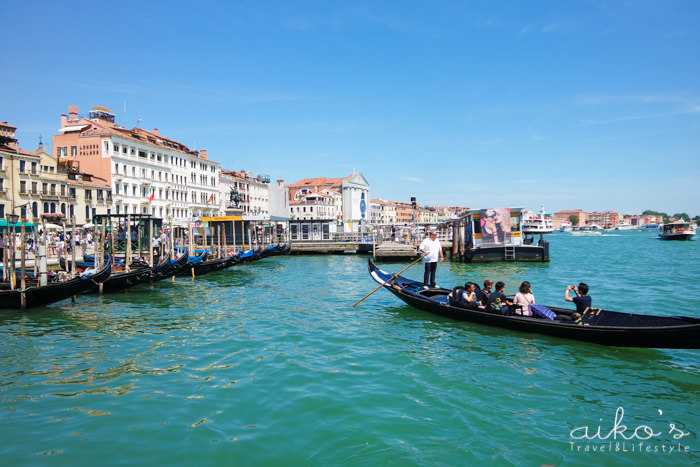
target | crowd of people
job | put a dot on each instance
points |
(472, 296)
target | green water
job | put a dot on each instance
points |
(268, 364)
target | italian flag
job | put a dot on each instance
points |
(152, 195)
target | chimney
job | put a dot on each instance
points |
(72, 112)
(280, 182)
(203, 153)
(155, 131)
(64, 120)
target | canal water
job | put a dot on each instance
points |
(269, 364)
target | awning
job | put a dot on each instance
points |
(67, 129)
(28, 227)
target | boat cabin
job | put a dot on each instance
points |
(496, 234)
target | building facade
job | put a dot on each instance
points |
(345, 200)
(148, 173)
(33, 184)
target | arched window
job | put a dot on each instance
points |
(63, 208)
(46, 206)
(53, 207)
(35, 210)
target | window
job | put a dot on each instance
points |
(22, 166)
(22, 186)
(88, 195)
(34, 168)
(74, 151)
(35, 189)
(87, 213)
(71, 192)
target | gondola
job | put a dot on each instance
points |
(123, 280)
(118, 280)
(53, 291)
(595, 325)
(163, 269)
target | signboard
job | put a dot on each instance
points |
(495, 225)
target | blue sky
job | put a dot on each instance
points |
(571, 104)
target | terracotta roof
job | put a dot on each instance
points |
(319, 181)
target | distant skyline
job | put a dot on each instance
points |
(591, 105)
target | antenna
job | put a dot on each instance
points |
(138, 122)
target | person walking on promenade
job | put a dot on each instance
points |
(432, 252)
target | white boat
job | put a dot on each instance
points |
(579, 233)
(624, 226)
(566, 226)
(677, 231)
(537, 224)
(654, 227)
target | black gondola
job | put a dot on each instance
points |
(164, 269)
(596, 325)
(54, 291)
(123, 280)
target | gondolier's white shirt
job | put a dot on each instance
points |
(433, 248)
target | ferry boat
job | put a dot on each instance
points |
(534, 224)
(654, 227)
(566, 226)
(677, 231)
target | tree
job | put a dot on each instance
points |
(573, 219)
(683, 216)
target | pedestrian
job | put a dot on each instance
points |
(432, 253)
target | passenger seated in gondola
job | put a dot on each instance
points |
(465, 296)
(482, 295)
(497, 301)
(523, 299)
(581, 300)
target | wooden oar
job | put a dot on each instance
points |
(387, 281)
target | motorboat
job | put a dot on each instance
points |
(677, 231)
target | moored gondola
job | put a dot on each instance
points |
(53, 291)
(596, 325)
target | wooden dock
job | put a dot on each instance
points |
(388, 251)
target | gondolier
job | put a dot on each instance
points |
(432, 251)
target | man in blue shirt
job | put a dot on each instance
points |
(582, 300)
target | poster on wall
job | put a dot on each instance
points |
(495, 225)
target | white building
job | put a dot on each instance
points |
(148, 173)
(345, 200)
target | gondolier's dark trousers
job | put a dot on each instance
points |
(430, 269)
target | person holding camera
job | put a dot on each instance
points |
(582, 300)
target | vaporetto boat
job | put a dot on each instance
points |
(677, 231)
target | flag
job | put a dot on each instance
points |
(211, 198)
(152, 195)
